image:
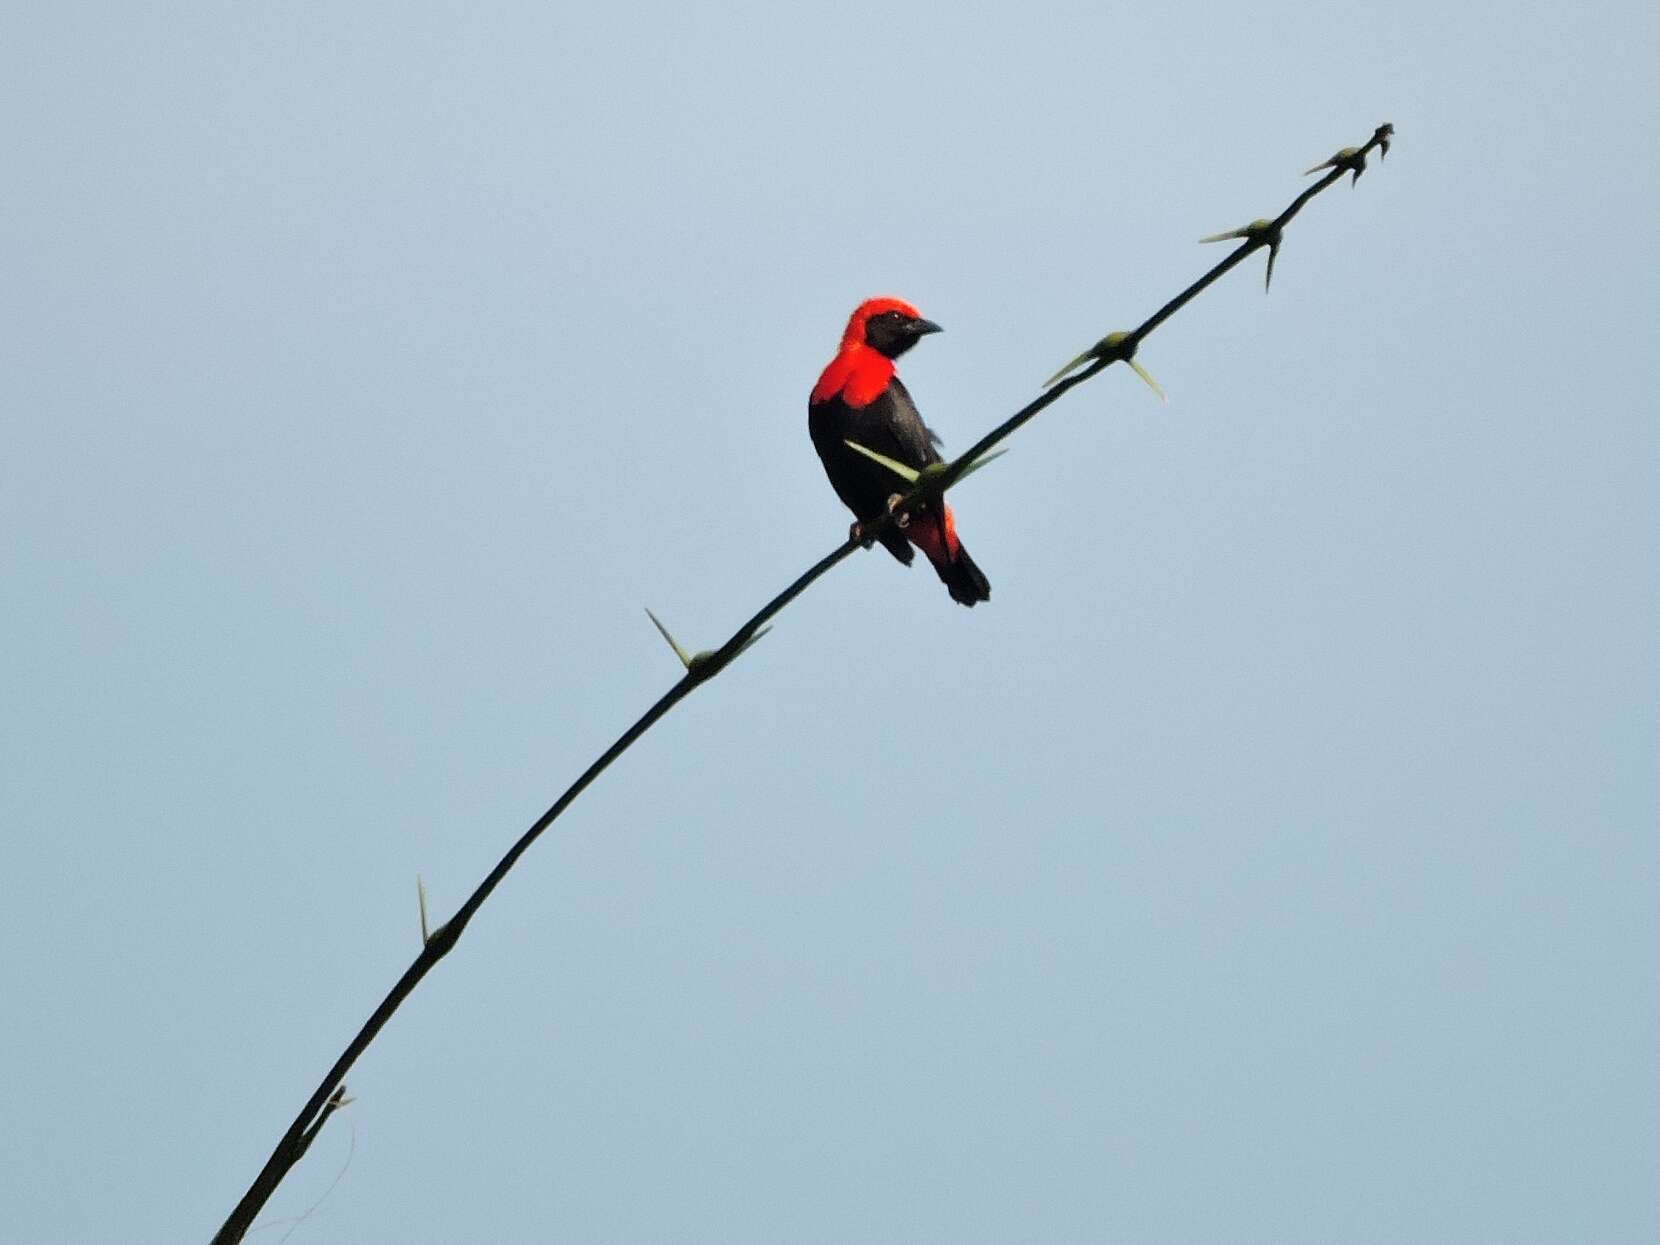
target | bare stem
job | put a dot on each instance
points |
(329, 1095)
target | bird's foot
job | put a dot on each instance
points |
(901, 520)
(857, 533)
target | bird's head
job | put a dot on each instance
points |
(889, 326)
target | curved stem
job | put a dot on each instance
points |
(330, 1092)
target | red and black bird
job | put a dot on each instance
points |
(859, 397)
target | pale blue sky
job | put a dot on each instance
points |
(1272, 860)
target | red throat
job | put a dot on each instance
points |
(857, 374)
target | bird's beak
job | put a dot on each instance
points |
(922, 328)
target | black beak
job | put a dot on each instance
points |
(921, 328)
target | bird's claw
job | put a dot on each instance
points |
(856, 533)
(901, 519)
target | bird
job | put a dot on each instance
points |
(859, 397)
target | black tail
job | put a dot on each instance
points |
(893, 540)
(966, 582)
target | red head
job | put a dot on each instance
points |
(890, 326)
(878, 332)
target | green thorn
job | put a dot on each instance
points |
(981, 461)
(1255, 229)
(698, 660)
(1151, 383)
(1107, 348)
(1111, 350)
(1259, 233)
(754, 639)
(703, 657)
(909, 475)
(1346, 156)
(421, 898)
(1081, 359)
(685, 657)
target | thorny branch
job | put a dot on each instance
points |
(330, 1094)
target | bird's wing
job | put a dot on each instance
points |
(918, 444)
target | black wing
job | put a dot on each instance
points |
(891, 426)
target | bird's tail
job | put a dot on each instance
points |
(937, 538)
(964, 580)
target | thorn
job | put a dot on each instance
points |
(685, 657)
(754, 639)
(426, 930)
(695, 662)
(1350, 158)
(701, 659)
(1151, 383)
(1113, 348)
(932, 472)
(1110, 348)
(1081, 359)
(1258, 233)
(907, 474)
(981, 461)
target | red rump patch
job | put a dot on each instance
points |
(858, 373)
(936, 536)
(953, 546)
